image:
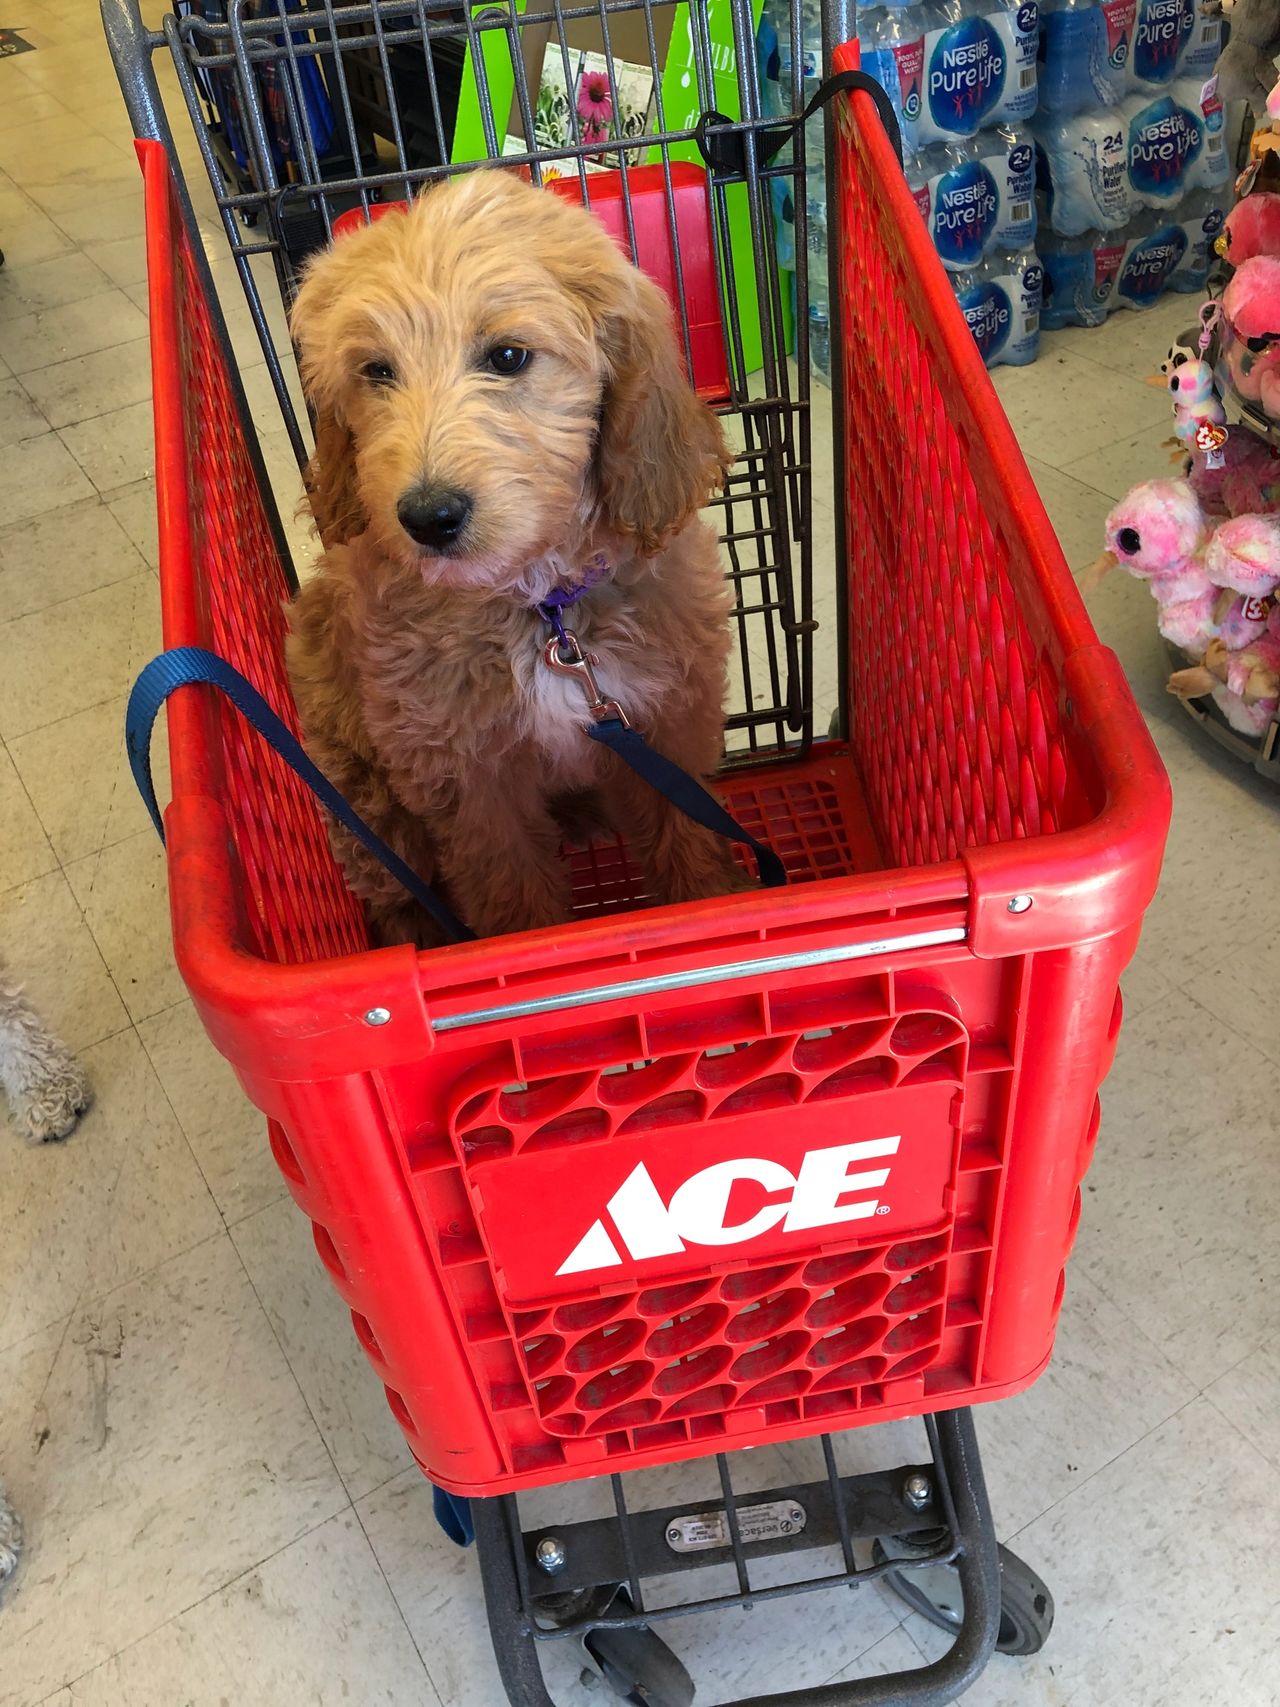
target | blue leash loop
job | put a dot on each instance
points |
(186, 664)
(183, 665)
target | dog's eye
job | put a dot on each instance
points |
(379, 373)
(507, 358)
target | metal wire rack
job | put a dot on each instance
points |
(307, 109)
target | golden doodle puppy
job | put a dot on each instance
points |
(500, 413)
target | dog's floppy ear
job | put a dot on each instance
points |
(330, 481)
(661, 452)
(330, 476)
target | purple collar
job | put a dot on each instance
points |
(560, 599)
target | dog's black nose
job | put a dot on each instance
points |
(434, 516)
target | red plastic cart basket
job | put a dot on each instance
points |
(666, 1182)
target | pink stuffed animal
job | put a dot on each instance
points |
(1251, 333)
(1241, 664)
(1158, 532)
(1252, 228)
(1244, 558)
(1247, 484)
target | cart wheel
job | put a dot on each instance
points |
(638, 1665)
(1026, 1606)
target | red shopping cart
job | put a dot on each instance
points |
(803, 1161)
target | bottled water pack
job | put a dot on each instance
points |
(1087, 277)
(1000, 299)
(979, 66)
(977, 194)
(1162, 31)
(1100, 168)
(1083, 165)
(1080, 276)
(1176, 143)
(1085, 48)
(1095, 52)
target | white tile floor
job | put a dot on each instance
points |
(220, 1509)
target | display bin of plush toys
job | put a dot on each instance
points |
(1208, 543)
(928, 1008)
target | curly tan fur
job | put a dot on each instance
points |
(418, 674)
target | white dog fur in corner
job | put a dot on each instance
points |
(45, 1084)
(10, 1540)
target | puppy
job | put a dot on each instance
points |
(500, 413)
(43, 1081)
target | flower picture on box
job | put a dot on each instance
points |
(603, 112)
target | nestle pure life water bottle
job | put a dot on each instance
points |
(1204, 44)
(964, 201)
(979, 66)
(1175, 142)
(1202, 216)
(1080, 276)
(891, 41)
(1000, 299)
(1084, 53)
(819, 293)
(1156, 248)
(1011, 154)
(1084, 162)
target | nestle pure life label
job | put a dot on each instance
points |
(1161, 30)
(1175, 144)
(1000, 301)
(964, 208)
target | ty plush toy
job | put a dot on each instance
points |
(1194, 400)
(1247, 483)
(1250, 341)
(1241, 663)
(1159, 534)
(1252, 228)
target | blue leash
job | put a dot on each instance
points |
(184, 665)
(684, 793)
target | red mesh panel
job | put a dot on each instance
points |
(298, 905)
(956, 715)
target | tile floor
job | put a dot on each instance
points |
(220, 1509)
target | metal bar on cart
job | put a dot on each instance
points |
(725, 972)
(517, 1631)
(820, 1515)
(838, 27)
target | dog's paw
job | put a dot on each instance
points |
(52, 1105)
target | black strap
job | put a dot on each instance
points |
(725, 153)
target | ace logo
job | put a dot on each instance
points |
(698, 1212)
(778, 1184)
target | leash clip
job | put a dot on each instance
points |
(579, 665)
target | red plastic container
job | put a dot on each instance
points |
(666, 1182)
(685, 268)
